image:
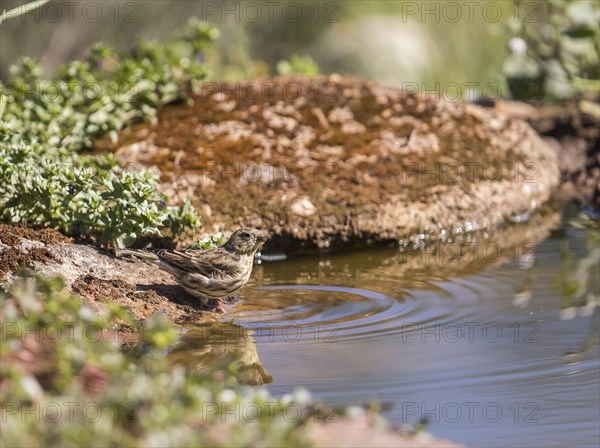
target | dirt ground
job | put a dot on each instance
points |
(11, 238)
(97, 275)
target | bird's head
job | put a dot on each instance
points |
(246, 241)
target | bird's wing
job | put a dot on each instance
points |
(143, 254)
(205, 262)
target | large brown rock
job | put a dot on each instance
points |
(330, 161)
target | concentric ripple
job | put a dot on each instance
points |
(422, 336)
(383, 310)
(355, 312)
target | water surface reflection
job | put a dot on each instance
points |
(494, 350)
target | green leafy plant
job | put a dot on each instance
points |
(66, 381)
(48, 122)
(209, 242)
(82, 195)
(560, 48)
(300, 65)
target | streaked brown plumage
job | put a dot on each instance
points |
(211, 273)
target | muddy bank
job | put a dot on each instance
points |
(96, 275)
(328, 162)
(24, 246)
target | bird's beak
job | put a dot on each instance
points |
(262, 237)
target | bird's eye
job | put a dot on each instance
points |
(245, 235)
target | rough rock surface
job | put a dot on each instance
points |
(329, 161)
(574, 135)
(96, 275)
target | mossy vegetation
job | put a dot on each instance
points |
(66, 381)
(48, 123)
(556, 54)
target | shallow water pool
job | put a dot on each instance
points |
(493, 345)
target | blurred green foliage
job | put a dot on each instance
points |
(579, 279)
(562, 49)
(404, 41)
(48, 122)
(209, 242)
(298, 65)
(66, 381)
(104, 91)
(353, 38)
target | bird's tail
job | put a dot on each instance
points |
(143, 254)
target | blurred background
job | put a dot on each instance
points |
(424, 44)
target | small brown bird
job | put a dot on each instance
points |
(211, 273)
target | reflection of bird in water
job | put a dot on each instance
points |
(579, 281)
(218, 344)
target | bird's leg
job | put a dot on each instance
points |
(212, 304)
(219, 305)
